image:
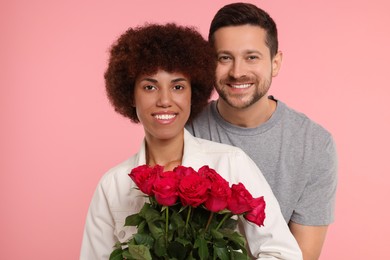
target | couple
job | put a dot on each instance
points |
(162, 76)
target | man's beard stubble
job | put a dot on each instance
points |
(261, 89)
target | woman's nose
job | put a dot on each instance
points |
(164, 98)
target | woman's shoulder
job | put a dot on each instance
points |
(119, 172)
(205, 148)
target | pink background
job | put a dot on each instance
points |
(59, 134)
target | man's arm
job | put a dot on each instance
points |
(310, 239)
(315, 210)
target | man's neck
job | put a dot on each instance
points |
(249, 117)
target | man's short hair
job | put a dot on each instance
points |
(244, 13)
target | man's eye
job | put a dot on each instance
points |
(178, 87)
(252, 57)
(224, 58)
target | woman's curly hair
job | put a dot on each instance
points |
(145, 50)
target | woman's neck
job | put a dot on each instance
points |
(167, 153)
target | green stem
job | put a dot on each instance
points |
(223, 220)
(209, 221)
(188, 215)
(166, 225)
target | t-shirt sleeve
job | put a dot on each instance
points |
(316, 206)
(273, 240)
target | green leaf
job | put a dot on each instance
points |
(119, 244)
(183, 241)
(144, 209)
(160, 248)
(216, 234)
(133, 220)
(230, 224)
(131, 242)
(224, 211)
(116, 254)
(200, 217)
(141, 227)
(182, 209)
(221, 252)
(137, 252)
(234, 237)
(144, 239)
(220, 242)
(177, 250)
(236, 255)
(156, 230)
(201, 244)
(150, 214)
(236, 240)
(177, 221)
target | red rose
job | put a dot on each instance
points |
(241, 200)
(166, 188)
(183, 171)
(209, 173)
(219, 194)
(193, 190)
(257, 214)
(144, 176)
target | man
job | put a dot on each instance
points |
(296, 155)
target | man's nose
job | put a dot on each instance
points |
(237, 70)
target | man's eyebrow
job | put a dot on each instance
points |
(223, 52)
(254, 52)
(246, 52)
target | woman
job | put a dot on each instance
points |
(162, 77)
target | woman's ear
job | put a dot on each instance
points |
(132, 103)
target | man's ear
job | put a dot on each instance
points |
(276, 63)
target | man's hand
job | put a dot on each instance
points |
(309, 238)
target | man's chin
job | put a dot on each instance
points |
(237, 103)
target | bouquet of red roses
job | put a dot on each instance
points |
(190, 215)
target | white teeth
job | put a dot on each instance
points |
(164, 117)
(241, 86)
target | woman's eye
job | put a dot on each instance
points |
(178, 87)
(149, 87)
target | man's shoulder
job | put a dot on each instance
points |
(203, 123)
(298, 121)
(206, 113)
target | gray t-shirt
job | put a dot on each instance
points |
(296, 155)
